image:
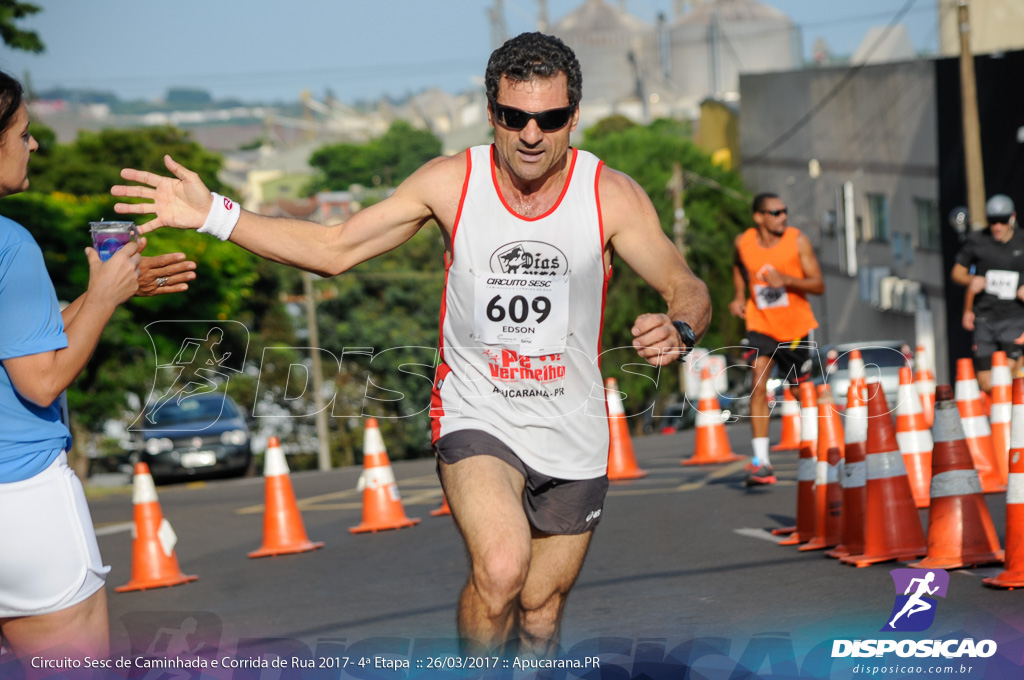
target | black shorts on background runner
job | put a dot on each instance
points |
(792, 359)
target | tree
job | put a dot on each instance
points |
(387, 160)
(716, 216)
(93, 162)
(12, 11)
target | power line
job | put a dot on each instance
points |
(833, 93)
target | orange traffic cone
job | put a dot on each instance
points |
(855, 365)
(444, 509)
(283, 530)
(854, 472)
(382, 506)
(806, 471)
(960, 530)
(790, 439)
(999, 414)
(914, 438)
(1013, 575)
(154, 563)
(976, 428)
(924, 381)
(711, 444)
(828, 494)
(621, 458)
(892, 528)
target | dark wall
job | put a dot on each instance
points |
(1000, 82)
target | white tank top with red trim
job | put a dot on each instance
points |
(521, 324)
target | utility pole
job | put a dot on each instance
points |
(972, 126)
(322, 433)
(677, 188)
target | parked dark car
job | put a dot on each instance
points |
(201, 436)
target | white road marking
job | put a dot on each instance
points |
(114, 528)
(759, 533)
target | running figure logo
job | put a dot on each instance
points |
(199, 364)
(914, 610)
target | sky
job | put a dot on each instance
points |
(271, 50)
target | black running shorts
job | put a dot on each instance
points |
(792, 359)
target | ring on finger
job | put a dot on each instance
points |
(161, 282)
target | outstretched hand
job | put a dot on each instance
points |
(182, 201)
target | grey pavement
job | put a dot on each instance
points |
(682, 558)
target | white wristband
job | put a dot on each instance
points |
(223, 217)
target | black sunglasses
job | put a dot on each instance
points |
(517, 119)
(774, 213)
(999, 219)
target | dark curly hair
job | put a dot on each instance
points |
(761, 199)
(533, 55)
(11, 96)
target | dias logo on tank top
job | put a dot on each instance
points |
(533, 258)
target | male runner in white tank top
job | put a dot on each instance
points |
(530, 225)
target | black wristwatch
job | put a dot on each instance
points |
(686, 335)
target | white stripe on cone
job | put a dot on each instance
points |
(915, 441)
(806, 469)
(955, 483)
(886, 465)
(1015, 489)
(976, 426)
(855, 475)
(373, 441)
(1017, 427)
(376, 478)
(856, 424)
(143, 489)
(1000, 412)
(614, 399)
(967, 390)
(275, 464)
(809, 424)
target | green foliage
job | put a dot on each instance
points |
(93, 163)
(606, 126)
(387, 160)
(12, 11)
(647, 154)
(392, 304)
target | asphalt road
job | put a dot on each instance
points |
(681, 557)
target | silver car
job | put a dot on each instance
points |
(882, 361)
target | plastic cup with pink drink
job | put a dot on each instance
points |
(110, 237)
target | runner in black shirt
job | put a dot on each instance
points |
(996, 255)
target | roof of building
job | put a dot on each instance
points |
(598, 15)
(731, 10)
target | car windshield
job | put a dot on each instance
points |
(883, 357)
(189, 410)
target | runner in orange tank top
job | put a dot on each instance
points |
(776, 265)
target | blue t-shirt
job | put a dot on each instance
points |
(31, 437)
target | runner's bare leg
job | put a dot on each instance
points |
(485, 495)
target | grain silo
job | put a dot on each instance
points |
(717, 40)
(618, 52)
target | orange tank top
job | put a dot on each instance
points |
(776, 312)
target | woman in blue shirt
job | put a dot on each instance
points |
(52, 600)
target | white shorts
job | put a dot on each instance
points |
(49, 558)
